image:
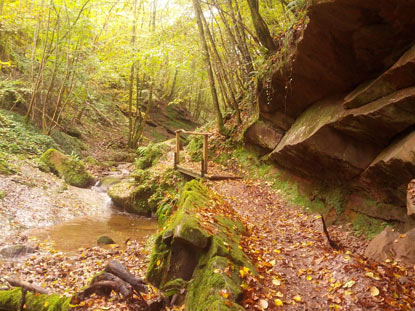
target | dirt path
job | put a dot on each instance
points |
(297, 268)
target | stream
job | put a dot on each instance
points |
(83, 232)
(71, 219)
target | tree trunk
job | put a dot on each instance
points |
(198, 13)
(261, 28)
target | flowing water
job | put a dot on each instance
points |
(84, 231)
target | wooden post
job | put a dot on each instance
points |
(177, 159)
(205, 153)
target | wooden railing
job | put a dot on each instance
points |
(204, 164)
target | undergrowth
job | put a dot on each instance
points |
(16, 137)
(368, 226)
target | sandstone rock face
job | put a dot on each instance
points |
(263, 135)
(391, 244)
(344, 43)
(344, 94)
(410, 198)
(391, 171)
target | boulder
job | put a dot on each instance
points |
(410, 198)
(388, 175)
(70, 169)
(131, 197)
(16, 251)
(264, 135)
(393, 245)
(105, 240)
(189, 252)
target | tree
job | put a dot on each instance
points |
(206, 56)
(261, 27)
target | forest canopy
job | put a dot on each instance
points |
(60, 56)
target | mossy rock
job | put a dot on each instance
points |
(10, 301)
(105, 240)
(186, 250)
(209, 281)
(150, 155)
(132, 197)
(71, 170)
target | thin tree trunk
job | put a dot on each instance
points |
(261, 27)
(169, 97)
(198, 13)
(220, 72)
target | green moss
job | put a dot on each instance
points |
(132, 197)
(70, 169)
(209, 282)
(150, 155)
(68, 143)
(214, 251)
(174, 287)
(367, 226)
(194, 147)
(10, 301)
(92, 160)
(2, 194)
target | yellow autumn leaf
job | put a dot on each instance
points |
(276, 282)
(277, 251)
(309, 278)
(374, 291)
(224, 294)
(372, 276)
(279, 294)
(278, 302)
(349, 284)
(46, 304)
(298, 298)
(158, 262)
(243, 272)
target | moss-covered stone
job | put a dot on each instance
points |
(186, 249)
(210, 281)
(70, 169)
(105, 240)
(10, 301)
(132, 197)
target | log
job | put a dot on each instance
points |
(97, 288)
(116, 268)
(124, 288)
(26, 285)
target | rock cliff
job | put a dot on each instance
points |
(339, 106)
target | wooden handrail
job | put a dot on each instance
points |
(192, 133)
(205, 160)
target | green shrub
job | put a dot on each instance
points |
(150, 155)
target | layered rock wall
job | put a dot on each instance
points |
(343, 99)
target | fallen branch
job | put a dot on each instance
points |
(28, 286)
(116, 268)
(332, 244)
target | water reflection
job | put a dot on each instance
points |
(84, 231)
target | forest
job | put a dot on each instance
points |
(207, 155)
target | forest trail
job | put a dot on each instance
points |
(297, 268)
